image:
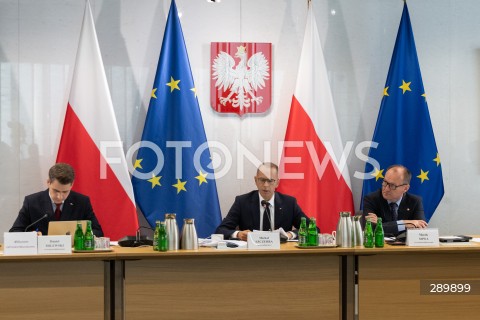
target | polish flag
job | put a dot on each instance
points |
(313, 168)
(91, 142)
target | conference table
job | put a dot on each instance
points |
(399, 282)
(290, 283)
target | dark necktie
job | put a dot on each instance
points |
(266, 216)
(394, 210)
(58, 212)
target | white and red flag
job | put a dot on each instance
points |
(91, 142)
(313, 166)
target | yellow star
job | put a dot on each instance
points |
(173, 84)
(202, 177)
(138, 164)
(425, 96)
(378, 174)
(153, 93)
(194, 91)
(180, 186)
(155, 181)
(423, 175)
(405, 86)
(437, 159)
(385, 91)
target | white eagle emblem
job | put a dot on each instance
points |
(242, 79)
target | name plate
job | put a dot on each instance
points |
(422, 238)
(263, 240)
(20, 243)
(55, 244)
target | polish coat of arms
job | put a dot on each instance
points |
(240, 77)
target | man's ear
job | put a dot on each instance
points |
(406, 188)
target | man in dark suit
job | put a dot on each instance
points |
(397, 208)
(249, 212)
(58, 202)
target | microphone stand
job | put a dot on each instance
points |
(36, 221)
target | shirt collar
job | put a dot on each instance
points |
(271, 201)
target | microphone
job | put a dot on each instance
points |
(38, 220)
(266, 205)
(401, 237)
(137, 240)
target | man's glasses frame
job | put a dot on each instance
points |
(263, 180)
(392, 186)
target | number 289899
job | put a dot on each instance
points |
(453, 287)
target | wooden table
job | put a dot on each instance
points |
(389, 282)
(66, 286)
(290, 283)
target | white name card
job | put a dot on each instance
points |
(20, 243)
(263, 240)
(422, 237)
(55, 244)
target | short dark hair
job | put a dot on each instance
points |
(407, 175)
(62, 172)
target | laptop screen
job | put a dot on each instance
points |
(61, 228)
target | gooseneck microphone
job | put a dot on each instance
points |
(266, 205)
(38, 220)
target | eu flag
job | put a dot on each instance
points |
(404, 131)
(173, 165)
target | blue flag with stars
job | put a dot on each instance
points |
(172, 170)
(404, 131)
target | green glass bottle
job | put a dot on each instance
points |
(302, 233)
(155, 235)
(78, 237)
(162, 237)
(312, 233)
(368, 235)
(379, 236)
(88, 239)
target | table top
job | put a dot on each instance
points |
(289, 248)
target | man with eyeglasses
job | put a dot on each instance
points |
(397, 208)
(262, 209)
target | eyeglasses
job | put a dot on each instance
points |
(268, 181)
(392, 186)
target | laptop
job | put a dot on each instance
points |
(61, 228)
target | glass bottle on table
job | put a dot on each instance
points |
(379, 235)
(88, 239)
(162, 237)
(302, 233)
(312, 233)
(155, 235)
(78, 237)
(368, 241)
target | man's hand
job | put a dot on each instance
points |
(412, 224)
(242, 235)
(372, 217)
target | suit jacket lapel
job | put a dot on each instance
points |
(404, 208)
(278, 211)
(388, 213)
(68, 207)
(255, 210)
(46, 205)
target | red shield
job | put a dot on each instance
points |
(240, 80)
